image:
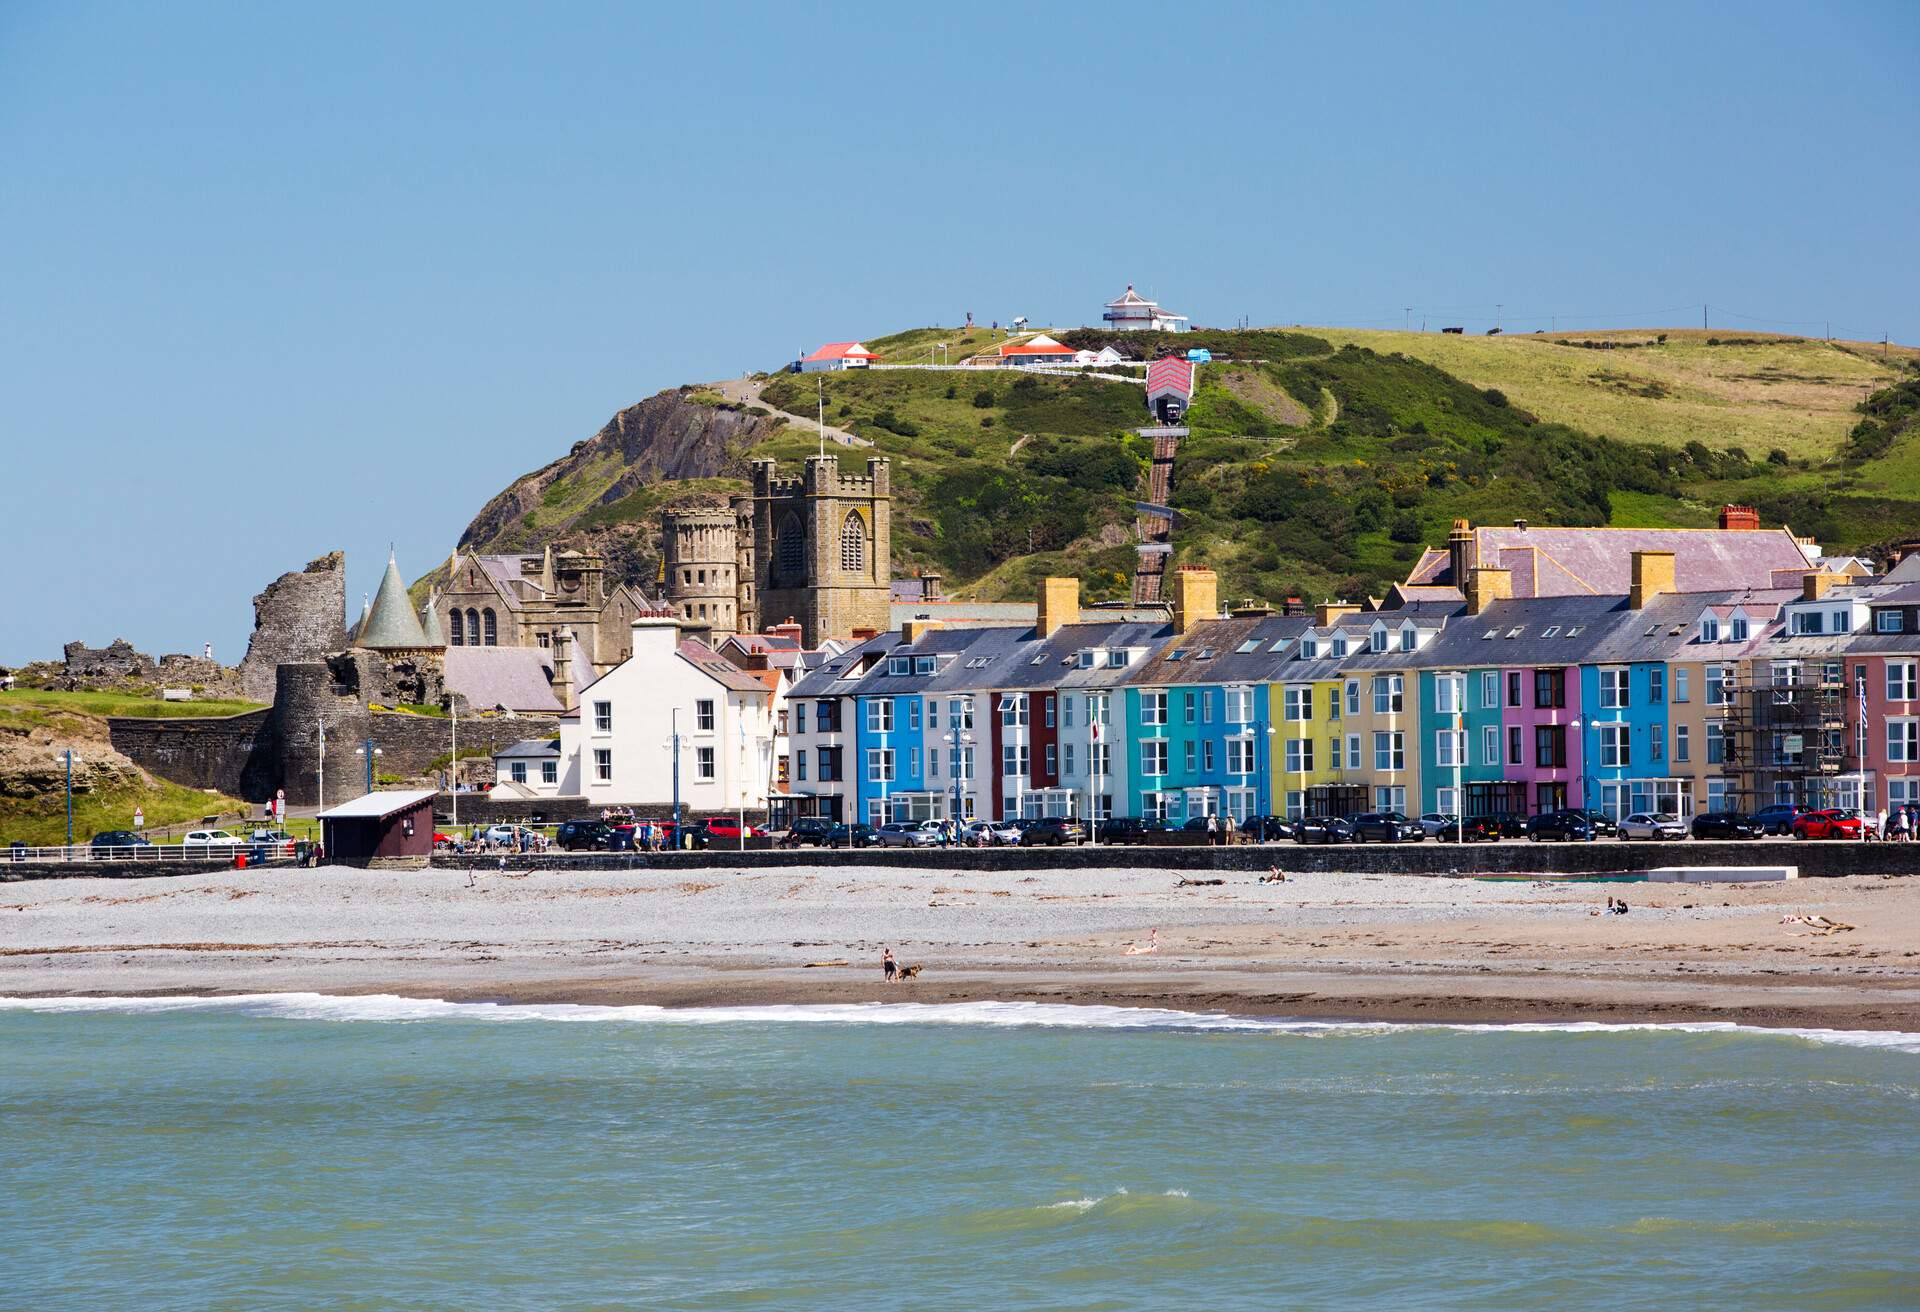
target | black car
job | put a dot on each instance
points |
(1603, 824)
(1268, 828)
(1122, 829)
(1323, 829)
(104, 845)
(1474, 829)
(1053, 831)
(1727, 824)
(1387, 827)
(853, 836)
(592, 835)
(1561, 826)
(808, 831)
(1778, 819)
(1509, 824)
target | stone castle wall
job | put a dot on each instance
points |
(235, 754)
(300, 616)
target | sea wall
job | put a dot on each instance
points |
(1813, 859)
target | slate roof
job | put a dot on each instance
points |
(1525, 631)
(1668, 627)
(377, 806)
(1548, 561)
(719, 668)
(531, 747)
(392, 624)
(517, 678)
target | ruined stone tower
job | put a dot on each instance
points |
(822, 547)
(702, 558)
(746, 606)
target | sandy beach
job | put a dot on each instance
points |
(1320, 945)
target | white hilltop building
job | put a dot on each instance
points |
(1133, 312)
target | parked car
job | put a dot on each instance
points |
(1727, 824)
(1386, 827)
(856, 835)
(909, 833)
(1433, 822)
(808, 831)
(996, 833)
(1779, 818)
(1475, 829)
(1509, 824)
(504, 835)
(211, 842)
(265, 843)
(1054, 831)
(1834, 823)
(573, 835)
(1323, 829)
(1561, 826)
(1603, 824)
(1652, 825)
(726, 828)
(116, 843)
(1268, 828)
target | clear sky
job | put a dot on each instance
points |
(277, 279)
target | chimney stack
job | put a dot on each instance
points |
(1652, 575)
(1487, 585)
(914, 630)
(1327, 612)
(1196, 596)
(1462, 558)
(1818, 584)
(1739, 517)
(1059, 604)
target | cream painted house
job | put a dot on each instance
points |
(617, 746)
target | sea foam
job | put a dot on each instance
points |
(1010, 1015)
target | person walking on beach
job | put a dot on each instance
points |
(888, 967)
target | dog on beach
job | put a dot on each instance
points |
(909, 972)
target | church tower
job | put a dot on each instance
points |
(823, 548)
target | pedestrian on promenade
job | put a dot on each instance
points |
(888, 967)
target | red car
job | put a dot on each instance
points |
(727, 826)
(1827, 824)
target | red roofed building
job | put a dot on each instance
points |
(1038, 349)
(837, 355)
(1169, 387)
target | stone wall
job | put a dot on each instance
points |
(410, 744)
(236, 754)
(1434, 859)
(299, 617)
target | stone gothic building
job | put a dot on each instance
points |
(816, 549)
(552, 600)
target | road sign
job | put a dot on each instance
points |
(139, 818)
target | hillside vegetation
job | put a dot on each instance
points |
(1320, 462)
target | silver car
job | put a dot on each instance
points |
(1652, 825)
(905, 833)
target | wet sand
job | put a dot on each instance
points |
(1330, 946)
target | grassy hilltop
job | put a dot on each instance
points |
(1320, 459)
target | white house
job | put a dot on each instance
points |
(528, 769)
(1104, 356)
(1132, 312)
(835, 356)
(618, 745)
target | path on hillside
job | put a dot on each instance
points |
(746, 391)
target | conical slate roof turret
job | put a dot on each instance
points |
(430, 621)
(392, 624)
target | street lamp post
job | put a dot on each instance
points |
(959, 739)
(68, 754)
(369, 751)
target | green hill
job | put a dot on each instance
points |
(1319, 462)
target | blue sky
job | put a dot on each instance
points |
(277, 279)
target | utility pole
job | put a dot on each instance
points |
(323, 764)
(1703, 318)
(823, 450)
(1406, 324)
(453, 707)
(678, 837)
(1498, 308)
(69, 755)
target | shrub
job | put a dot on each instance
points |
(1776, 457)
(1406, 528)
(1495, 398)
(986, 421)
(951, 392)
(983, 399)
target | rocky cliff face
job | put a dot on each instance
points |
(604, 492)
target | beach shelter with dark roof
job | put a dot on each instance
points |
(379, 826)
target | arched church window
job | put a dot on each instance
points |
(853, 544)
(792, 548)
(473, 627)
(493, 635)
(456, 632)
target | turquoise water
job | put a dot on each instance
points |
(303, 1152)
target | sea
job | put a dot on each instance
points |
(302, 1151)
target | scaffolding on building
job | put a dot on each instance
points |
(1785, 737)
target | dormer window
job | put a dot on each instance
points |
(1889, 621)
(1408, 637)
(1709, 629)
(923, 665)
(1809, 622)
(1085, 659)
(1309, 649)
(899, 665)
(1116, 660)
(1377, 640)
(1737, 629)
(1339, 644)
